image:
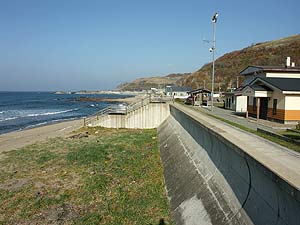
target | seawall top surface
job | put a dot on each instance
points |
(283, 162)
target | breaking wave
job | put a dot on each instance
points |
(38, 114)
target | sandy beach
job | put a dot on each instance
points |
(18, 139)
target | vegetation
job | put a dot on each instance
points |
(295, 135)
(228, 66)
(298, 126)
(266, 136)
(152, 82)
(105, 176)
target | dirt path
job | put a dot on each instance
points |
(19, 139)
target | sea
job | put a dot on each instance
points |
(23, 110)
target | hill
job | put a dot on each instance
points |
(228, 66)
(152, 82)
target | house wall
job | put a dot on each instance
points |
(288, 108)
(292, 105)
(180, 94)
(280, 112)
(283, 75)
(250, 106)
(229, 104)
(241, 103)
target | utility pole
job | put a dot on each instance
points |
(214, 21)
(219, 92)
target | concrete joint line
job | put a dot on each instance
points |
(198, 171)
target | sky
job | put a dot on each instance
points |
(49, 45)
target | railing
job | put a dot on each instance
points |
(96, 116)
(115, 109)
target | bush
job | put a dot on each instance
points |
(178, 100)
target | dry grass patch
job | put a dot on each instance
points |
(105, 176)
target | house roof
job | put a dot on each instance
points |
(257, 87)
(262, 69)
(200, 90)
(283, 84)
(178, 89)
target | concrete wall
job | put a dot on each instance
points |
(212, 181)
(146, 117)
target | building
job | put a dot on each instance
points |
(199, 97)
(178, 92)
(271, 93)
(235, 101)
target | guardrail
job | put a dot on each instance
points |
(117, 109)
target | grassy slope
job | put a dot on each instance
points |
(152, 82)
(110, 177)
(228, 66)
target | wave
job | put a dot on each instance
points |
(38, 114)
(35, 125)
(9, 118)
(51, 113)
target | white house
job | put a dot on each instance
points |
(178, 92)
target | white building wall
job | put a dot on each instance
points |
(292, 102)
(280, 100)
(283, 75)
(241, 104)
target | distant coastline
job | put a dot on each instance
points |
(117, 92)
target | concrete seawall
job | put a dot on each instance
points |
(146, 117)
(211, 179)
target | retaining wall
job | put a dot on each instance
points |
(212, 181)
(146, 117)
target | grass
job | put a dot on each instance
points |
(110, 177)
(291, 135)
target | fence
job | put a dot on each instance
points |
(117, 109)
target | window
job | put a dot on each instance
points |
(274, 106)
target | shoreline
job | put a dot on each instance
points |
(127, 100)
(26, 136)
(20, 138)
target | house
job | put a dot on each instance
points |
(177, 92)
(271, 93)
(235, 101)
(199, 97)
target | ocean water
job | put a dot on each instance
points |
(22, 110)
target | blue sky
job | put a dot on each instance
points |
(98, 44)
